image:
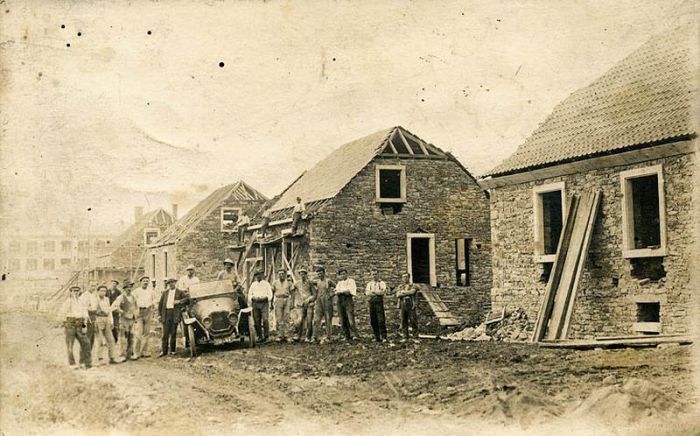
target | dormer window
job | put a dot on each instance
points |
(391, 184)
(150, 235)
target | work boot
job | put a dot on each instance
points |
(162, 353)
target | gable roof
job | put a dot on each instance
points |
(325, 179)
(645, 99)
(240, 191)
(154, 218)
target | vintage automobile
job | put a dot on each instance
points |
(213, 316)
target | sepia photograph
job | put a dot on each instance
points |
(349, 217)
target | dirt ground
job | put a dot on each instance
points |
(339, 388)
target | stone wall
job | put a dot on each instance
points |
(205, 246)
(606, 300)
(352, 232)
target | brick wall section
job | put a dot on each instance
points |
(204, 246)
(601, 308)
(442, 199)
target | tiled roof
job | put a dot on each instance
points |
(154, 218)
(330, 175)
(645, 98)
(237, 191)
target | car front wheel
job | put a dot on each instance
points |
(193, 342)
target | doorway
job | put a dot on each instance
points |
(421, 257)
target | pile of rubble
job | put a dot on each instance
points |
(506, 326)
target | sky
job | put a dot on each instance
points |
(107, 105)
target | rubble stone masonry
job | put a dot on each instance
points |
(606, 300)
(352, 232)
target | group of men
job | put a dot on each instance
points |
(302, 307)
(106, 320)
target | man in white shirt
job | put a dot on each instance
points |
(188, 279)
(260, 299)
(345, 289)
(169, 314)
(375, 291)
(75, 318)
(89, 300)
(145, 300)
(103, 326)
(228, 273)
(297, 215)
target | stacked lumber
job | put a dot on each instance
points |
(557, 307)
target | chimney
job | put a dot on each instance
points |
(138, 213)
(174, 211)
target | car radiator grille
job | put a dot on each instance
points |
(219, 321)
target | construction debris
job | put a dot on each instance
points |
(508, 327)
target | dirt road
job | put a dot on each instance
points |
(338, 388)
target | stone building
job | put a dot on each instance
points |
(126, 254)
(392, 202)
(631, 135)
(201, 236)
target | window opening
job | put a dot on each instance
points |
(462, 258)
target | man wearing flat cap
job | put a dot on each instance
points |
(184, 284)
(112, 293)
(260, 299)
(282, 290)
(75, 318)
(304, 305)
(125, 305)
(169, 313)
(145, 301)
(188, 279)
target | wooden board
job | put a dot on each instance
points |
(650, 341)
(437, 306)
(555, 276)
(572, 253)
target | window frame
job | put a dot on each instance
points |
(628, 250)
(538, 229)
(377, 181)
(467, 258)
(148, 230)
(238, 215)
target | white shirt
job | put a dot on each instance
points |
(185, 282)
(73, 308)
(259, 290)
(375, 288)
(170, 299)
(144, 297)
(89, 300)
(243, 220)
(299, 207)
(346, 286)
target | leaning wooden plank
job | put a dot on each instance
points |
(555, 276)
(571, 265)
(590, 225)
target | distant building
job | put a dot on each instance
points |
(202, 236)
(391, 202)
(630, 134)
(42, 262)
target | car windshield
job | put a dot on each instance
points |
(211, 288)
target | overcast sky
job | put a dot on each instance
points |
(124, 118)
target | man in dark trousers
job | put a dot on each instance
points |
(375, 291)
(345, 290)
(260, 299)
(112, 293)
(406, 294)
(169, 314)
